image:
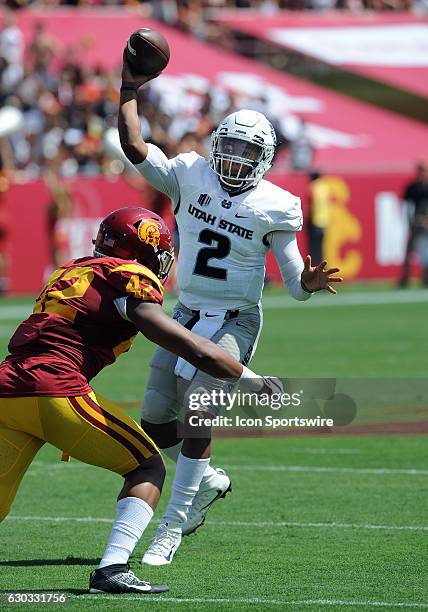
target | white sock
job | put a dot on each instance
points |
(132, 517)
(172, 451)
(188, 476)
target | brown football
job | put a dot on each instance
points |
(147, 51)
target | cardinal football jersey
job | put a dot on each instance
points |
(75, 329)
(223, 238)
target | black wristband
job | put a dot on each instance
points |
(303, 286)
(128, 88)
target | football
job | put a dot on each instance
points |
(147, 51)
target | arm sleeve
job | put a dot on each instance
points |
(158, 170)
(290, 262)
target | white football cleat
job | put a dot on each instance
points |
(162, 549)
(204, 499)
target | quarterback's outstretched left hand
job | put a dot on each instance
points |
(317, 278)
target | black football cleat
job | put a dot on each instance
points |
(120, 579)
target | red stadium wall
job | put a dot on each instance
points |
(365, 238)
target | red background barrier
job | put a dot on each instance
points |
(395, 53)
(348, 135)
(366, 235)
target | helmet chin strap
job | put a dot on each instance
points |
(235, 190)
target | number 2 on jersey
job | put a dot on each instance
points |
(219, 249)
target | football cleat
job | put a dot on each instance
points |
(120, 579)
(162, 549)
(204, 499)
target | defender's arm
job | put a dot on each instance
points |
(158, 327)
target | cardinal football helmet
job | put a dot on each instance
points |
(242, 149)
(136, 234)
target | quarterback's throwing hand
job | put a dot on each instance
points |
(132, 80)
(317, 278)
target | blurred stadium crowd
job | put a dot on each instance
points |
(67, 108)
(192, 14)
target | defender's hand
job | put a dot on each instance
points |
(317, 278)
(264, 384)
(271, 385)
(132, 80)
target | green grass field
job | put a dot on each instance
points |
(313, 522)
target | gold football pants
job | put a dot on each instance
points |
(89, 428)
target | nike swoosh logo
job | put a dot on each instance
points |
(219, 494)
(208, 316)
(241, 217)
(168, 557)
(144, 589)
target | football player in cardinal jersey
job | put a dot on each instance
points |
(87, 315)
(228, 218)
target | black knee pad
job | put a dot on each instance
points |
(164, 434)
(154, 470)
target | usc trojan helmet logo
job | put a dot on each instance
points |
(149, 233)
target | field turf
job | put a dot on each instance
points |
(313, 522)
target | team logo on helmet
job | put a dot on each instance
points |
(149, 233)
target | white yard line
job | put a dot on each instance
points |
(39, 465)
(10, 313)
(316, 525)
(60, 464)
(7, 330)
(62, 519)
(326, 451)
(260, 524)
(256, 600)
(273, 302)
(326, 470)
(410, 296)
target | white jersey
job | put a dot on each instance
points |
(224, 238)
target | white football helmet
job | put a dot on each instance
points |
(242, 149)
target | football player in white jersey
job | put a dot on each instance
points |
(228, 218)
